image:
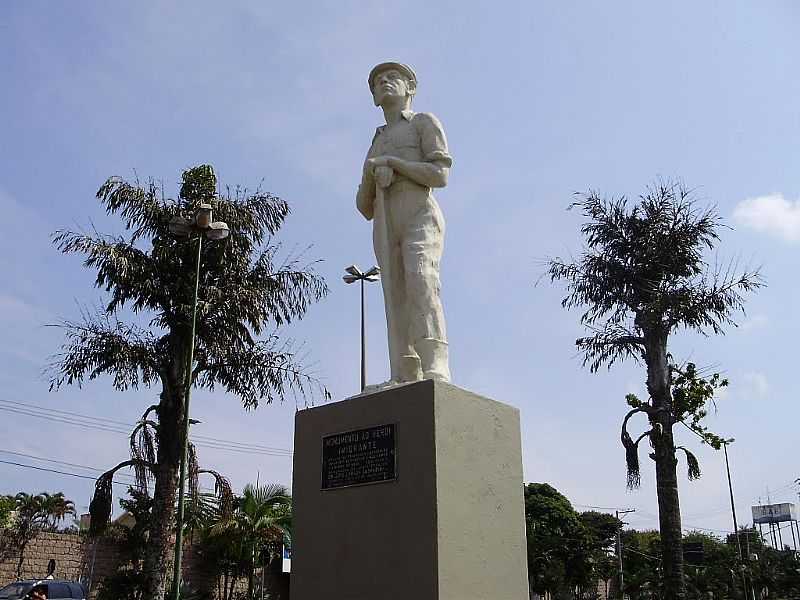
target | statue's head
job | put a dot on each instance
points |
(392, 80)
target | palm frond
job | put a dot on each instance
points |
(268, 370)
(645, 265)
(692, 464)
(141, 206)
(143, 451)
(102, 345)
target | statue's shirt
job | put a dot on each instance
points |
(417, 137)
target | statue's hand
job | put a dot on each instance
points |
(384, 176)
(368, 170)
(374, 163)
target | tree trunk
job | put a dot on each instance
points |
(251, 572)
(669, 516)
(669, 510)
(160, 547)
(21, 559)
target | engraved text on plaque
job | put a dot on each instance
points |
(359, 457)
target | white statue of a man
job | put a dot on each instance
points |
(407, 158)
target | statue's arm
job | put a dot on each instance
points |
(430, 174)
(365, 196)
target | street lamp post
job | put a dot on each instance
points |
(730, 491)
(742, 560)
(199, 226)
(354, 274)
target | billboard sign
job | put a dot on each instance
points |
(774, 513)
(287, 558)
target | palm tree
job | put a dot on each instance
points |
(643, 277)
(245, 294)
(259, 525)
(34, 514)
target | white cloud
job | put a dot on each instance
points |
(754, 385)
(14, 309)
(754, 322)
(771, 214)
(722, 393)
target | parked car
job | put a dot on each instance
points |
(57, 589)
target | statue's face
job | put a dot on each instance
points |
(391, 83)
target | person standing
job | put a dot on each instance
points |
(408, 157)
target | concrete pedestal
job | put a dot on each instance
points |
(449, 526)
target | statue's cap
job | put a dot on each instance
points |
(404, 69)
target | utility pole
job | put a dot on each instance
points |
(733, 505)
(740, 561)
(619, 551)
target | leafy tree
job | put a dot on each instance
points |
(717, 573)
(32, 514)
(549, 521)
(642, 277)
(245, 293)
(641, 551)
(7, 506)
(771, 572)
(567, 551)
(788, 580)
(601, 532)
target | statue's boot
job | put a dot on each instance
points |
(433, 358)
(409, 369)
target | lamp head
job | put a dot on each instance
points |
(202, 217)
(354, 270)
(217, 231)
(180, 227)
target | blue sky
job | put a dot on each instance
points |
(538, 100)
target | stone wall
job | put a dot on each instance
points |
(77, 559)
(73, 556)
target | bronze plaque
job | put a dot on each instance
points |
(359, 457)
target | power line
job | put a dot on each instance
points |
(8, 462)
(200, 441)
(598, 507)
(627, 549)
(60, 462)
(684, 526)
(78, 475)
(230, 446)
(791, 484)
(127, 427)
(67, 413)
(58, 419)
